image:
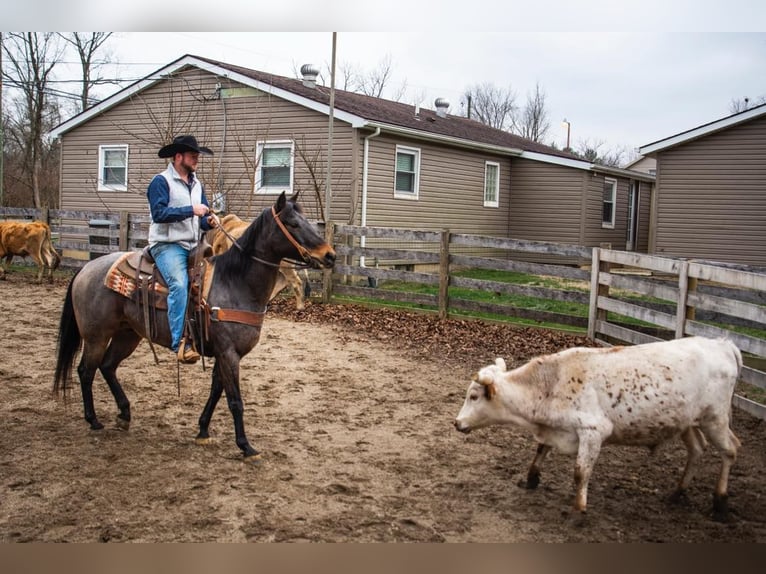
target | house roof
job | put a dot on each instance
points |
(362, 111)
(703, 130)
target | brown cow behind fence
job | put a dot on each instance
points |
(28, 238)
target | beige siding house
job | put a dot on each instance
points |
(393, 164)
(711, 191)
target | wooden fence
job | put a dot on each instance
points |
(670, 298)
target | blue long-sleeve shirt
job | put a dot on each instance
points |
(158, 195)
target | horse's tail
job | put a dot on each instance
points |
(69, 340)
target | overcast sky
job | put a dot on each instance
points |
(668, 66)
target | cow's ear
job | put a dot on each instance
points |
(501, 363)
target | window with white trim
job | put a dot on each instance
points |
(113, 168)
(491, 184)
(274, 173)
(407, 176)
(609, 203)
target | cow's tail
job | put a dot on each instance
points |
(52, 257)
(68, 345)
(737, 357)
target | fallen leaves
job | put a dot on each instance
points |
(458, 340)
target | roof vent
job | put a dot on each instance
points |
(309, 73)
(441, 107)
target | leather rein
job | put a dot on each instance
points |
(302, 250)
(252, 318)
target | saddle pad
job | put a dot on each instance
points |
(119, 280)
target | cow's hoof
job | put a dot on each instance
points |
(679, 498)
(721, 508)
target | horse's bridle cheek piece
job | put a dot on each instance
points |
(302, 250)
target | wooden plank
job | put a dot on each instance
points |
(631, 259)
(522, 245)
(683, 289)
(755, 409)
(640, 285)
(753, 377)
(85, 215)
(746, 343)
(382, 273)
(382, 295)
(418, 257)
(749, 311)
(742, 279)
(516, 289)
(389, 232)
(444, 275)
(563, 271)
(624, 334)
(517, 312)
(594, 287)
(637, 312)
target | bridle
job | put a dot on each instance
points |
(305, 255)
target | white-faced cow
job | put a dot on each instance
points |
(33, 239)
(579, 399)
(234, 226)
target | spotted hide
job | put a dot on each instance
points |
(577, 400)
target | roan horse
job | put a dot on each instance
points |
(109, 326)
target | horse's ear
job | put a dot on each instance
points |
(294, 198)
(281, 201)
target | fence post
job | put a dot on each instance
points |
(596, 290)
(444, 275)
(329, 235)
(45, 215)
(682, 311)
(124, 228)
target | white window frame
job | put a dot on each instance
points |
(415, 193)
(489, 202)
(273, 189)
(102, 149)
(609, 224)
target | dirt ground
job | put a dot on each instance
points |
(353, 413)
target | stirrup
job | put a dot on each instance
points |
(186, 353)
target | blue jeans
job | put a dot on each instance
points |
(172, 261)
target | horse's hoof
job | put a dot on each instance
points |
(96, 426)
(122, 424)
(254, 458)
(203, 440)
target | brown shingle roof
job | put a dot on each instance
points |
(396, 113)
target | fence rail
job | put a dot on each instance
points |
(631, 297)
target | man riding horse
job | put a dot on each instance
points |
(179, 208)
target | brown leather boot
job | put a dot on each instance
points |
(186, 353)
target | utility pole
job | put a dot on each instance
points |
(328, 186)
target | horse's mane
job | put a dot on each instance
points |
(230, 263)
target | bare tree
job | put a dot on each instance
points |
(532, 123)
(491, 105)
(597, 152)
(31, 57)
(88, 46)
(740, 105)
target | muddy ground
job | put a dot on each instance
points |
(353, 412)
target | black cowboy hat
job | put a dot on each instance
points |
(181, 144)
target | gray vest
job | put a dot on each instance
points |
(186, 231)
